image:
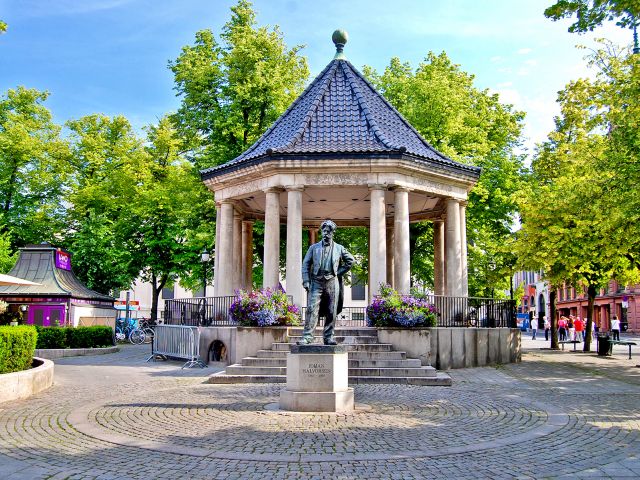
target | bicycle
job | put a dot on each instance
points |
(147, 327)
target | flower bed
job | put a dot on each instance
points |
(263, 308)
(390, 309)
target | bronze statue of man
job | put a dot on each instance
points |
(322, 269)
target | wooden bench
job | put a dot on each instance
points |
(575, 342)
(622, 342)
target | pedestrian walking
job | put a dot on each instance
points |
(534, 328)
(615, 328)
(562, 328)
(547, 327)
(572, 329)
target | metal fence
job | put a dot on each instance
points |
(177, 341)
(452, 312)
(207, 312)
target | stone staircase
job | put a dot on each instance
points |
(369, 362)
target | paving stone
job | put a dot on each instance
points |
(105, 412)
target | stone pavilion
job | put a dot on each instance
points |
(340, 151)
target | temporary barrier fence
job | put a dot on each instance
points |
(177, 341)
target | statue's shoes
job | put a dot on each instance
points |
(305, 341)
(330, 341)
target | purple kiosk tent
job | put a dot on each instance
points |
(60, 298)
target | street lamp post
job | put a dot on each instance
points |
(204, 258)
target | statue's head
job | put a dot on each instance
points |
(327, 228)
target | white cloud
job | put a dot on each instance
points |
(524, 51)
(531, 62)
(495, 59)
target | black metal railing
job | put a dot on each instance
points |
(474, 311)
(349, 317)
(200, 311)
(452, 312)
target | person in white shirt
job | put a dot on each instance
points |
(534, 328)
(547, 327)
(615, 328)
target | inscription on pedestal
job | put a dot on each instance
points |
(316, 370)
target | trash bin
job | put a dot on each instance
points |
(604, 347)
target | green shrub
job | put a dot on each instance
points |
(16, 348)
(78, 337)
(51, 337)
(89, 337)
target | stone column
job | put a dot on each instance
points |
(438, 257)
(463, 250)
(401, 260)
(237, 250)
(247, 255)
(271, 238)
(313, 235)
(390, 252)
(216, 257)
(453, 248)
(294, 244)
(225, 258)
(377, 240)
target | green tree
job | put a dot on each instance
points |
(7, 257)
(32, 167)
(108, 166)
(173, 216)
(3, 26)
(593, 13)
(576, 227)
(470, 126)
(234, 88)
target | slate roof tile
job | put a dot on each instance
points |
(340, 112)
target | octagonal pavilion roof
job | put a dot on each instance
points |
(340, 114)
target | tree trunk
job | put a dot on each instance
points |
(591, 297)
(553, 319)
(155, 294)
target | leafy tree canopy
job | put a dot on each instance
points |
(233, 88)
(471, 126)
(593, 13)
(33, 167)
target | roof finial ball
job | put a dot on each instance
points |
(340, 37)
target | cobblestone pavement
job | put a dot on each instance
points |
(555, 415)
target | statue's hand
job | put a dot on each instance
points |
(305, 285)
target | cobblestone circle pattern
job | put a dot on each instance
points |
(486, 426)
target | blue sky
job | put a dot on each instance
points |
(110, 56)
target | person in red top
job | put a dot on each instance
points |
(579, 326)
(562, 326)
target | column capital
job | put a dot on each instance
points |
(377, 186)
(294, 188)
(438, 220)
(273, 190)
(248, 221)
(399, 188)
(227, 201)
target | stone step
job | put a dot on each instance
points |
(392, 372)
(282, 362)
(222, 377)
(264, 362)
(441, 379)
(374, 347)
(343, 332)
(357, 355)
(342, 340)
(238, 369)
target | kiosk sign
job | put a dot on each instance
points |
(63, 260)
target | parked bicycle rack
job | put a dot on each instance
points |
(177, 341)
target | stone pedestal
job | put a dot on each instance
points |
(317, 380)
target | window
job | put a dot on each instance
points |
(357, 288)
(168, 292)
